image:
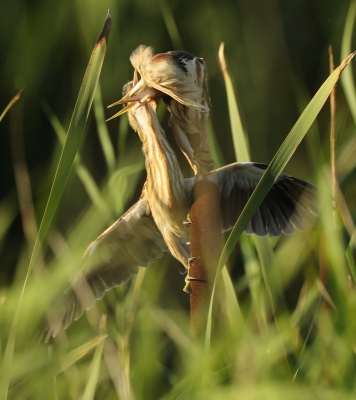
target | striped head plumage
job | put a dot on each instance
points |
(180, 79)
(177, 74)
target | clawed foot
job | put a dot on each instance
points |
(187, 288)
(188, 278)
(188, 222)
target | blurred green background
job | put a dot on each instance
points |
(277, 55)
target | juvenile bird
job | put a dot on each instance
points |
(155, 224)
(180, 79)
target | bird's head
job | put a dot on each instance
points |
(177, 74)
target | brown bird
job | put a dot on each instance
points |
(180, 78)
(155, 224)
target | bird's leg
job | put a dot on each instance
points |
(202, 155)
(203, 158)
(188, 222)
(183, 143)
(180, 251)
(188, 278)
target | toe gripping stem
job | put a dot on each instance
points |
(187, 288)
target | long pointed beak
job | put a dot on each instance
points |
(138, 95)
(125, 109)
(135, 94)
(127, 99)
(131, 98)
(133, 105)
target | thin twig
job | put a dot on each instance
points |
(12, 102)
(332, 131)
(23, 183)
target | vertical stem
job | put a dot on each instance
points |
(22, 179)
(206, 246)
(332, 130)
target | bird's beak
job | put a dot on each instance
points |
(136, 97)
(135, 94)
(132, 106)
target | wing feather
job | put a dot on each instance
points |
(289, 205)
(113, 258)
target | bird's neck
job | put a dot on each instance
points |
(164, 176)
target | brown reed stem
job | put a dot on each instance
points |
(206, 246)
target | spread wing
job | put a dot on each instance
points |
(289, 205)
(114, 257)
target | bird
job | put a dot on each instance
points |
(156, 223)
(180, 79)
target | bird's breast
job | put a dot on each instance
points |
(169, 207)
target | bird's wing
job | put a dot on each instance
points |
(289, 205)
(113, 258)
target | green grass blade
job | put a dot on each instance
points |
(171, 25)
(8, 212)
(313, 141)
(240, 140)
(83, 173)
(12, 102)
(347, 79)
(50, 366)
(253, 276)
(76, 128)
(349, 256)
(238, 135)
(275, 168)
(89, 393)
(233, 307)
(282, 157)
(103, 132)
(73, 356)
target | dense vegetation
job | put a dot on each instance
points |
(284, 324)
